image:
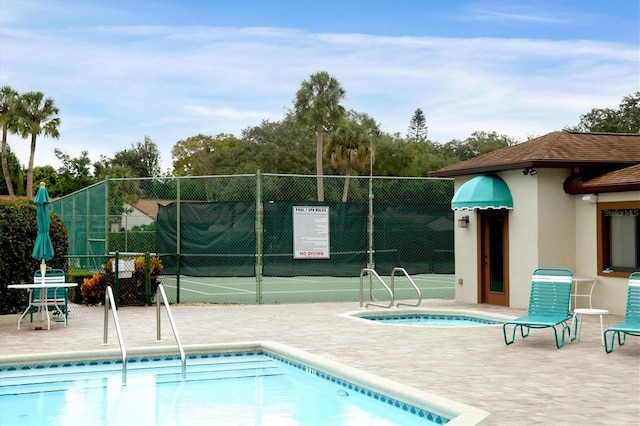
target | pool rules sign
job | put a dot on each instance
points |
(311, 232)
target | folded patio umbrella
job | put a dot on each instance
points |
(43, 248)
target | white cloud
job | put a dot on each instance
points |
(115, 84)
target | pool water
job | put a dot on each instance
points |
(252, 388)
(437, 320)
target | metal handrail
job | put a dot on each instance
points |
(375, 274)
(404, 271)
(163, 296)
(108, 296)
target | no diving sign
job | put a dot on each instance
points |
(311, 232)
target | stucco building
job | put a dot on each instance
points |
(565, 199)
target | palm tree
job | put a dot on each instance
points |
(8, 98)
(317, 104)
(36, 116)
(349, 145)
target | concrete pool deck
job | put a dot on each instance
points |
(529, 382)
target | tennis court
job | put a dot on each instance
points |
(302, 289)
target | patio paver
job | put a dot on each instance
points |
(527, 383)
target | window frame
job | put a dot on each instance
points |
(603, 236)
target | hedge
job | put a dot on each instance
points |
(18, 232)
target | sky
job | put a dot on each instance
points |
(170, 69)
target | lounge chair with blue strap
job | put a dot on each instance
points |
(548, 305)
(56, 298)
(631, 323)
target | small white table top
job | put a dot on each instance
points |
(591, 311)
(582, 279)
(27, 286)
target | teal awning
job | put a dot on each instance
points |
(483, 192)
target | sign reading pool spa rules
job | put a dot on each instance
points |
(311, 232)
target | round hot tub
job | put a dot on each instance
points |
(431, 317)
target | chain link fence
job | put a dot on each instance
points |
(265, 238)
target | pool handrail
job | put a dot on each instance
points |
(404, 271)
(108, 296)
(163, 296)
(375, 274)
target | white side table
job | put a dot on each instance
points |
(588, 311)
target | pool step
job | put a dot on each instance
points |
(100, 376)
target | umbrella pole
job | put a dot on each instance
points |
(45, 311)
(43, 270)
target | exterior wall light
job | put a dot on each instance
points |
(463, 222)
(590, 198)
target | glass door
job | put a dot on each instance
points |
(494, 265)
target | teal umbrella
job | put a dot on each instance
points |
(43, 248)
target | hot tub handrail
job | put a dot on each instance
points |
(404, 271)
(375, 274)
(108, 296)
(163, 296)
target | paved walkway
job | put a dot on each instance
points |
(527, 383)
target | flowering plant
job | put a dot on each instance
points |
(132, 291)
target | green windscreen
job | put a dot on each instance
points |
(218, 239)
(347, 241)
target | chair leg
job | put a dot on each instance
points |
(555, 334)
(504, 332)
(576, 322)
(622, 337)
(566, 327)
(608, 349)
(559, 344)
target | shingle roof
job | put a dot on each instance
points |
(150, 206)
(556, 149)
(619, 180)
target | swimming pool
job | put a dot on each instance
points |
(425, 317)
(260, 384)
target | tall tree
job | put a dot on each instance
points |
(149, 156)
(49, 176)
(349, 145)
(480, 142)
(418, 127)
(141, 160)
(191, 155)
(16, 175)
(625, 119)
(284, 146)
(73, 175)
(317, 104)
(36, 116)
(8, 100)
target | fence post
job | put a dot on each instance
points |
(177, 257)
(178, 238)
(147, 278)
(116, 279)
(259, 237)
(106, 217)
(371, 264)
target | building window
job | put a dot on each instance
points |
(619, 237)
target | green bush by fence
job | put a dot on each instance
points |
(18, 231)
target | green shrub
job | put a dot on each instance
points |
(77, 276)
(131, 291)
(18, 231)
